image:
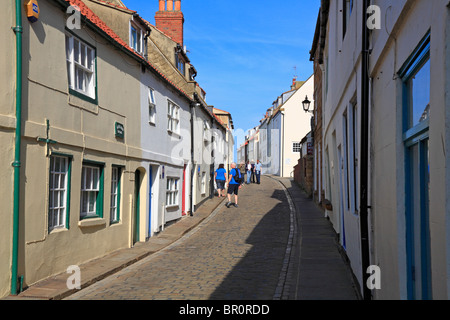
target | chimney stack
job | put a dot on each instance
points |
(170, 21)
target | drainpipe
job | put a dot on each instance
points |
(18, 30)
(365, 253)
(193, 106)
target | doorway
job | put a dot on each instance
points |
(137, 205)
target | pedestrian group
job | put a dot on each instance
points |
(234, 181)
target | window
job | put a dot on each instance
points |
(416, 80)
(355, 145)
(418, 90)
(173, 117)
(80, 67)
(180, 63)
(346, 155)
(172, 192)
(296, 147)
(347, 8)
(59, 183)
(151, 106)
(203, 186)
(91, 191)
(136, 39)
(115, 194)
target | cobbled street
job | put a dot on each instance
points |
(236, 254)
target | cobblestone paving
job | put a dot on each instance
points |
(236, 255)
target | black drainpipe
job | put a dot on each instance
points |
(193, 105)
(365, 249)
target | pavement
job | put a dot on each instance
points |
(315, 268)
(318, 268)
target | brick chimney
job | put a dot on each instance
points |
(170, 20)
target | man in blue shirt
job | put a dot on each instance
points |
(233, 185)
(258, 170)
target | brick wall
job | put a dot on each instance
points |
(303, 174)
(318, 146)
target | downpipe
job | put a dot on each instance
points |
(18, 30)
(364, 188)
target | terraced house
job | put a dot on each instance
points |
(98, 136)
(385, 134)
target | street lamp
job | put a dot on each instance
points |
(306, 104)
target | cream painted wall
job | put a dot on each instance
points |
(83, 130)
(297, 124)
(341, 85)
(414, 19)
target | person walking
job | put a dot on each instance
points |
(233, 185)
(253, 173)
(258, 171)
(249, 171)
(220, 180)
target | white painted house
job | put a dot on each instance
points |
(284, 127)
(402, 225)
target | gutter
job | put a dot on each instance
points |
(365, 248)
(18, 30)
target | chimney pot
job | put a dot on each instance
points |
(177, 5)
(162, 5)
(169, 5)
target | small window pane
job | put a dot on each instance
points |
(420, 87)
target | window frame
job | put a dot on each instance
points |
(172, 190)
(137, 44)
(180, 64)
(68, 172)
(296, 146)
(417, 166)
(347, 9)
(115, 217)
(90, 93)
(171, 118)
(151, 106)
(99, 196)
(412, 66)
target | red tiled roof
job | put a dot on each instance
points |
(91, 16)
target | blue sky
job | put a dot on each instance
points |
(245, 51)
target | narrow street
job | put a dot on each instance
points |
(237, 254)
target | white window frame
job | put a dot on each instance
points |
(58, 190)
(173, 117)
(89, 191)
(151, 106)
(138, 43)
(80, 59)
(172, 189)
(115, 194)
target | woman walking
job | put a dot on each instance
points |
(220, 180)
